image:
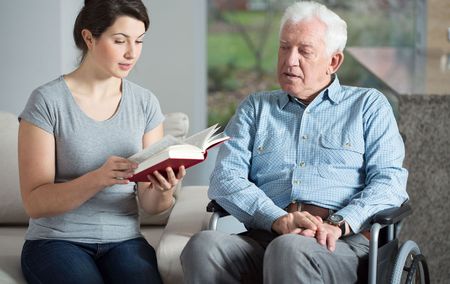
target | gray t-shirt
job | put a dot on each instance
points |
(82, 145)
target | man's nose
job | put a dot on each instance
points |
(292, 57)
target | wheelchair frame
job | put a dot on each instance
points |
(383, 248)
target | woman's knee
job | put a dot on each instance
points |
(50, 261)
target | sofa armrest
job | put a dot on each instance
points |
(187, 218)
(11, 209)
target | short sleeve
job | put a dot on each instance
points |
(153, 113)
(38, 111)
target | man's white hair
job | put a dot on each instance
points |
(336, 28)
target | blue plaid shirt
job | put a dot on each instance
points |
(343, 151)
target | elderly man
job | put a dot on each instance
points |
(306, 168)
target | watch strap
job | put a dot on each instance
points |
(343, 229)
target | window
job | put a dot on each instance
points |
(243, 44)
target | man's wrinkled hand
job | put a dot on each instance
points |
(299, 222)
(327, 235)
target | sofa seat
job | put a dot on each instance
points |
(11, 242)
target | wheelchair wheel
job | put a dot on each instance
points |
(410, 265)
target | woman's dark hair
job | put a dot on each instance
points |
(98, 15)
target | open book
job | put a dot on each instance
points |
(172, 152)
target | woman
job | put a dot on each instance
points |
(74, 134)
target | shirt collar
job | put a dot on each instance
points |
(332, 92)
(283, 100)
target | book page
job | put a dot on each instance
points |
(173, 152)
(157, 147)
(201, 138)
(216, 139)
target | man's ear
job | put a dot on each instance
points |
(336, 62)
(88, 38)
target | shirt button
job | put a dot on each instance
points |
(307, 111)
(302, 164)
(297, 181)
(305, 137)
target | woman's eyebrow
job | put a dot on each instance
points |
(127, 36)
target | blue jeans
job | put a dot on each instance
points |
(58, 261)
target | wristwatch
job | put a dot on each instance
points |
(338, 221)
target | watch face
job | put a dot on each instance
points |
(335, 218)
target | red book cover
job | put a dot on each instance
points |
(170, 152)
(174, 163)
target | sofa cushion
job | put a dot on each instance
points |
(176, 124)
(11, 209)
(10, 248)
(152, 234)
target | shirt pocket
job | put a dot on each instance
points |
(268, 149)
(268, 142)
(340, 152)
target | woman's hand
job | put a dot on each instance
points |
(156, 195)
(159, 183)
(116, 170)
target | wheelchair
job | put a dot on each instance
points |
(388, 262)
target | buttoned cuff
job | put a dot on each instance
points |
(356, 219)
(265, 217)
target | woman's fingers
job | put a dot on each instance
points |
(121, 174)
(181, 172)
(119, 168)
(121, 164)
(171, 176)
(161, 183)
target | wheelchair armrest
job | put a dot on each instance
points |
(214, 207)
(392, 215)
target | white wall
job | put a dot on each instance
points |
(30, 51)
(173, 62)
(37, 46)
(69, 54)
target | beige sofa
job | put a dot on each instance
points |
(167, 232)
